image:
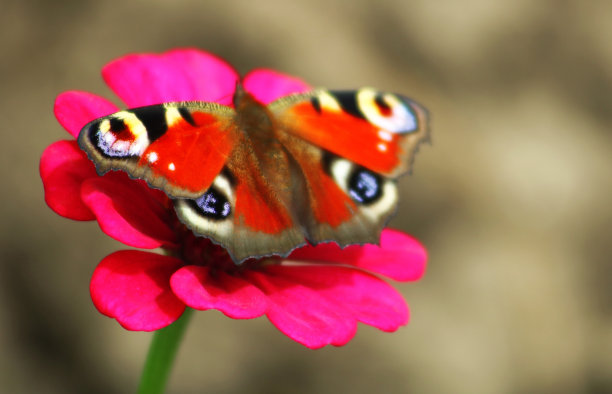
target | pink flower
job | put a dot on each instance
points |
(316, 296)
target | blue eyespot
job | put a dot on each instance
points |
(213, 204)
(365, 186)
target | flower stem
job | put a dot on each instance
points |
(161, 355)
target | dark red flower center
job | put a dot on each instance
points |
(196, 250)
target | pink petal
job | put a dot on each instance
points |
(398, 257)
(128, 212)
(134, 287)
(269, 85)
(63, 168)
(177, 75)
(74, 109)
(355, 294)
(231, 295)
(303, 314)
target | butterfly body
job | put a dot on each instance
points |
(264, 179)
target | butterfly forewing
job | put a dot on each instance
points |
(377, 130)
(177, 147)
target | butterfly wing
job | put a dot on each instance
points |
(202, 157)
(320, 166)
(177, 147)
(350, 147)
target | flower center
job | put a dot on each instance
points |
(195, 250)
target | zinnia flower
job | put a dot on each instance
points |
(316, 296)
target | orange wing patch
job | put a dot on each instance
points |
(259, 214)
(330, 204)
(348, 137)
(190, 156)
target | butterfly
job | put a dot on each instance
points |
(261, 180)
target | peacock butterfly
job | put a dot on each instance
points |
(261, 180)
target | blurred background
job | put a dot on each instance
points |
(512, 199)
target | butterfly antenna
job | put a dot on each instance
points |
(238, 93)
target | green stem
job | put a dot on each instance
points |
(161, 355)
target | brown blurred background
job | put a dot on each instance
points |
(512, 200)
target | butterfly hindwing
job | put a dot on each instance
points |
(247, 209)
(344, 202)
